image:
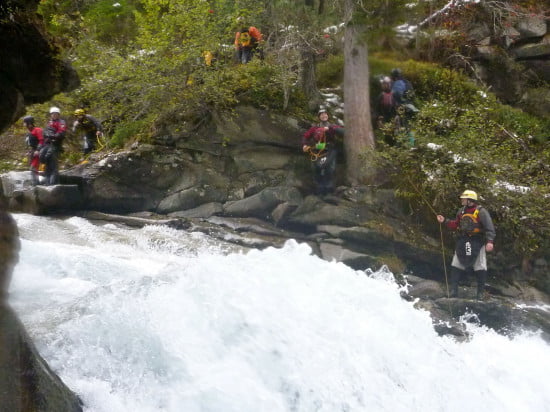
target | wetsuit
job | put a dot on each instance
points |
(90, 126)
(35, 141)
(321, 139)
(49, 155)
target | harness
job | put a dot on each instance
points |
(320, 149)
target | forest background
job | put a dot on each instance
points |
(143, 73)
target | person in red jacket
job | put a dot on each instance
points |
(54, 134)
(476, 234)
(35, 141)
(320, 142)
(247, 42)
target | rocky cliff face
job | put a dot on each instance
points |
(509, 50)
(26, 381)
(30, 72)
(30, 68)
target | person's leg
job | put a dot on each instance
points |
(456, 273)
(481, 276)
(34, 175)
(54, 167)
(480, 270)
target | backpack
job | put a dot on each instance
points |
(245, 40)
(32, 140)
(387, 100)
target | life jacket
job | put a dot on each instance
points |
(470, 223)
(34, 138)
(87, 125)
(245, 40)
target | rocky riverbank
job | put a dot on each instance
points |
(251, 184)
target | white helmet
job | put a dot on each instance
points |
(54, 109)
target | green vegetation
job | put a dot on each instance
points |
(466, 139)
(144, 74)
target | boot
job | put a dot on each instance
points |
(481, 276)
(455, 276)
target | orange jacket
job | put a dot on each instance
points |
(254, 33)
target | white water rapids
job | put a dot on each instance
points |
(156, 319)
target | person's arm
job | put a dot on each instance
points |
(40, 136)
(97, 123)
(451, 224)
(61, 128)
(489, 228)
(336, 130)
(306, 139)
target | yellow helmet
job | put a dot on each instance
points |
(79, 112)
(469, 194)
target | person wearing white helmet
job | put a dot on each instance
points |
(476, 236)
(320, 143)
(54, 133)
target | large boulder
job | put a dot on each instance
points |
(38, 200)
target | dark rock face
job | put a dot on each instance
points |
(26, 381)
(9, 250)
(30, 69)
(30, 72)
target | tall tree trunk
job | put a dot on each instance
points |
(309, 79)
(359, 140)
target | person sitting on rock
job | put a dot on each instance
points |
(320, 143)
(35, 141)
(90, 126)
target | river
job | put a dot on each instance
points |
(156, 319)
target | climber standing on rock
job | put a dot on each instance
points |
(90, 127)
(320, 143)
(54, 133)
(35, 141)
(476, 234)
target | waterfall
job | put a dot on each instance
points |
(156, 319)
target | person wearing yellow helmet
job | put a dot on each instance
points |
(476, 235)
(90, 127)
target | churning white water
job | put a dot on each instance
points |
(156, 319)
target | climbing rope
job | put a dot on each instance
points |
(417, 190)
(314, 154)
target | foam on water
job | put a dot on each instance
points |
(156, 319)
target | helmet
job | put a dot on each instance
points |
(28, 120)
(395, 73)
(469, 194)
(54, 109)
(385, 79)
(322, 111)
(79, 112)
